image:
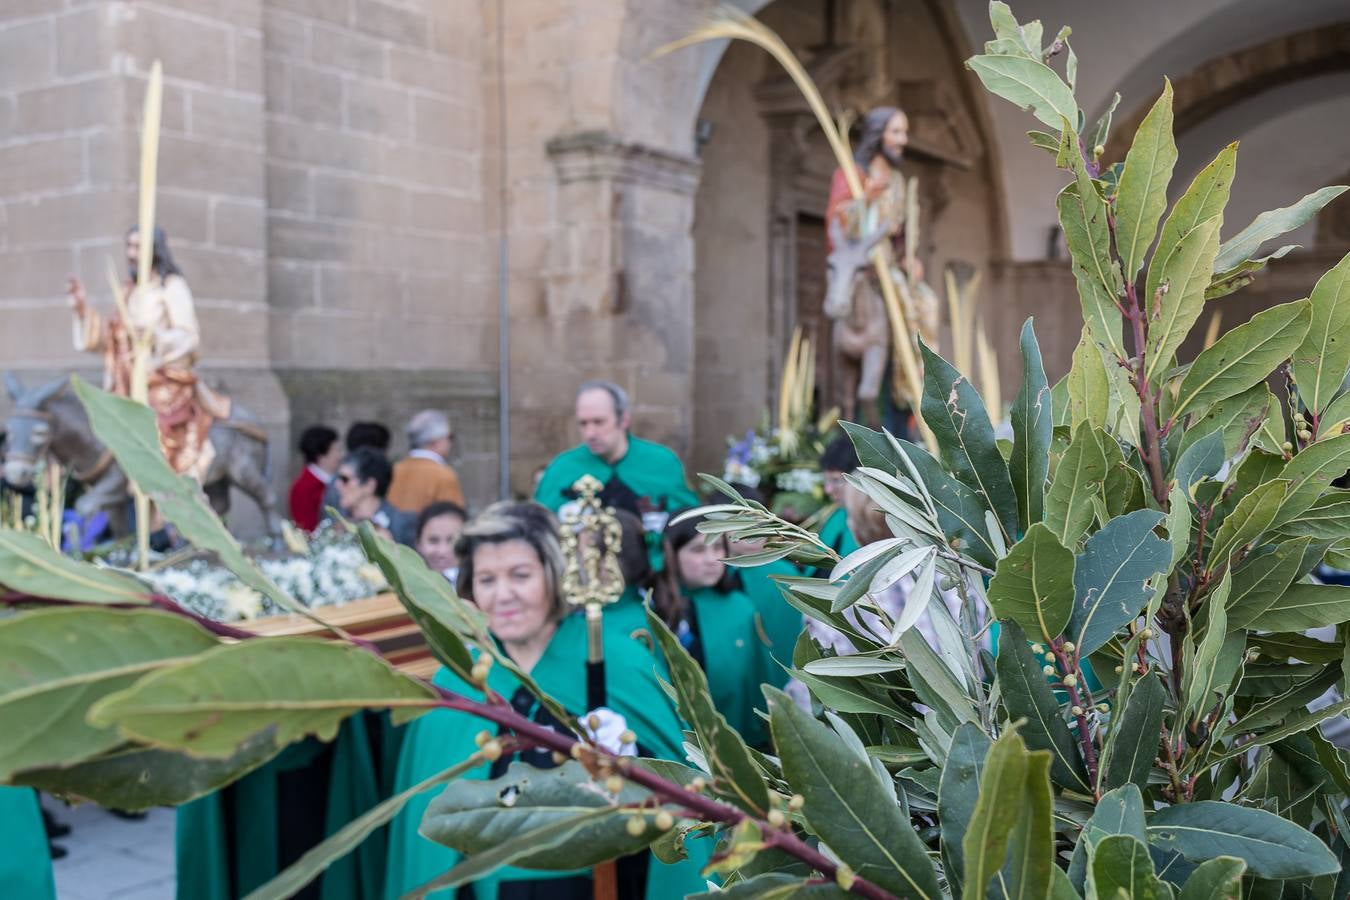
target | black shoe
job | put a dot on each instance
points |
(54, 828)
(129, 816)
(57, 851)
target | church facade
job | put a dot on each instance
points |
(360, 192)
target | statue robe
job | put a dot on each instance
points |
(184, 408)
(443, 737)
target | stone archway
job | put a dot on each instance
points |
(758, 213)
(1225, 80)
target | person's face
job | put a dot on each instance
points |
(133, 250)
(351, 491)
(510, 588)
(330, 460)
(602, 431)
(436, 543)
(442, 446)
(834, 485)
(896, 136)
(700, 563)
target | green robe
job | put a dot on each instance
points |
(25, 859)
(651, 470)
(780, 620)
(440, 738)
(734, 658)
(228, 848)
(837, 535)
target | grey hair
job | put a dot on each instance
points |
(616, 393)
(514, 521)
(427, 426)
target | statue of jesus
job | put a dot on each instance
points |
(164, 311)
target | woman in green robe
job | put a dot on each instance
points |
(700, 599)
(25, 858)
(511, 567)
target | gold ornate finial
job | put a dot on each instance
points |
(591, 536)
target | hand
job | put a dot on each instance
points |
(608, 732)
(915, 272)
(78, 300)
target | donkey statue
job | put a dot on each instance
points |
(51, 419)
(861, 333)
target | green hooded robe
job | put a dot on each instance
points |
(25, 859)
(649, 469)
(443, 737)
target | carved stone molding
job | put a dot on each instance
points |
(600, 155)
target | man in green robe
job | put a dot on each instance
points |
(609, 452)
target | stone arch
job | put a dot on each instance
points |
(758, 228)
(1225, 80)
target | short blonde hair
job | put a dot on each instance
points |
(509, 521)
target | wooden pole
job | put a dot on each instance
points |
(140, 374)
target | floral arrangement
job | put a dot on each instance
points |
(783, 460)
(328, 569)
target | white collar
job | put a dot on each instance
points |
(422, 453)
(318, 473)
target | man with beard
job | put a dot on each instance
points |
(164, 313)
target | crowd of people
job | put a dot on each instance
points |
(507, 559)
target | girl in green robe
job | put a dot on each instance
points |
(698, 597)
(511, 567)
(25, 858)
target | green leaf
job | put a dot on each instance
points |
(1115, 575)
(1178, 525)
(1028, 84)
(1033, 584)
(1272, 224)
(1321, 361)
(1120, 862)
(1328, 519)
(56, 663)
(956, 414)
(960, 511)
(1306, 606)
(558, 820)
(1336, 417)
(1225, 283)
(1027, 695)
(294, 877)
(140, 779)
(132, 434)
(1203, 459)
(729, 760)
(1234, 418)
(934, 682)
(846, 805)
(1031, 415)
(1202, 673)
(775, 886)
(1186, 274)
(1045, 141)
(1136, 740)
(294, 686)
(852, 666)
(958, 791)
(1248, 521)
(1120, 811)
(1262, 578)
(29, 565)
(1273, 847)
(1078, 478)
(1029, 871)
(1142, 195)
(1088, 386)
(1012, 778)
(1204, 199)
(429, 599)
(1083, 217)
(1216, 879)
(1243, 357)
(1310, 474)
